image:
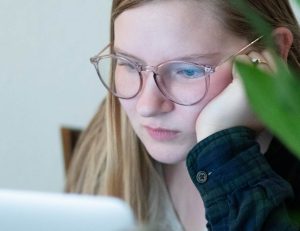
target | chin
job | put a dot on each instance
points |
(167, 156)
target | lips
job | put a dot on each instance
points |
(161, 134)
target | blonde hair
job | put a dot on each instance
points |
(110, 159)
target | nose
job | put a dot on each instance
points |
(151, 102)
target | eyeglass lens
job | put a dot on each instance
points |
(182, 82)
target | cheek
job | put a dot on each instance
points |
(219, 81)
(127, 106)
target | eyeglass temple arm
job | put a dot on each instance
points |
(241, 51)
(94, 58)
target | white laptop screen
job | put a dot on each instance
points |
(36, 211)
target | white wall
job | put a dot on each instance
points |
(296, 6)
(46, 81)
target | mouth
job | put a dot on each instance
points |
(161, 134)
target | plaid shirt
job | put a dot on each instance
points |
(239, 188)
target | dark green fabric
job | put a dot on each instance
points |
(239, 188)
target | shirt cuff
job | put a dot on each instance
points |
(226, 161)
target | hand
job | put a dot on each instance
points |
(230, 108)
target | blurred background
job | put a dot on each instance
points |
(46, 83)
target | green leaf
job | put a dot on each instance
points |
(276, 101)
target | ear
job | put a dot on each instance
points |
(284, 39)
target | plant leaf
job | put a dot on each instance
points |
(276, 101)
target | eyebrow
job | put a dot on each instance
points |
(191, 57)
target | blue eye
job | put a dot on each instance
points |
(191, 72)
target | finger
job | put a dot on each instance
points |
(269, 57)
(243, 59)
(260, 61)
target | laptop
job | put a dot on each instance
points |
(38, 211)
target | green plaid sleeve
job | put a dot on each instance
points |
(239, 189)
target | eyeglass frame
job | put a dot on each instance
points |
(209, 69)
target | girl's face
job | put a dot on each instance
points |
(162, 31)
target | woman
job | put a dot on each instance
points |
(176, 122)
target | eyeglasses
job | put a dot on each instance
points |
(184, 83)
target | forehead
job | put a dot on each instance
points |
(169, 28)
